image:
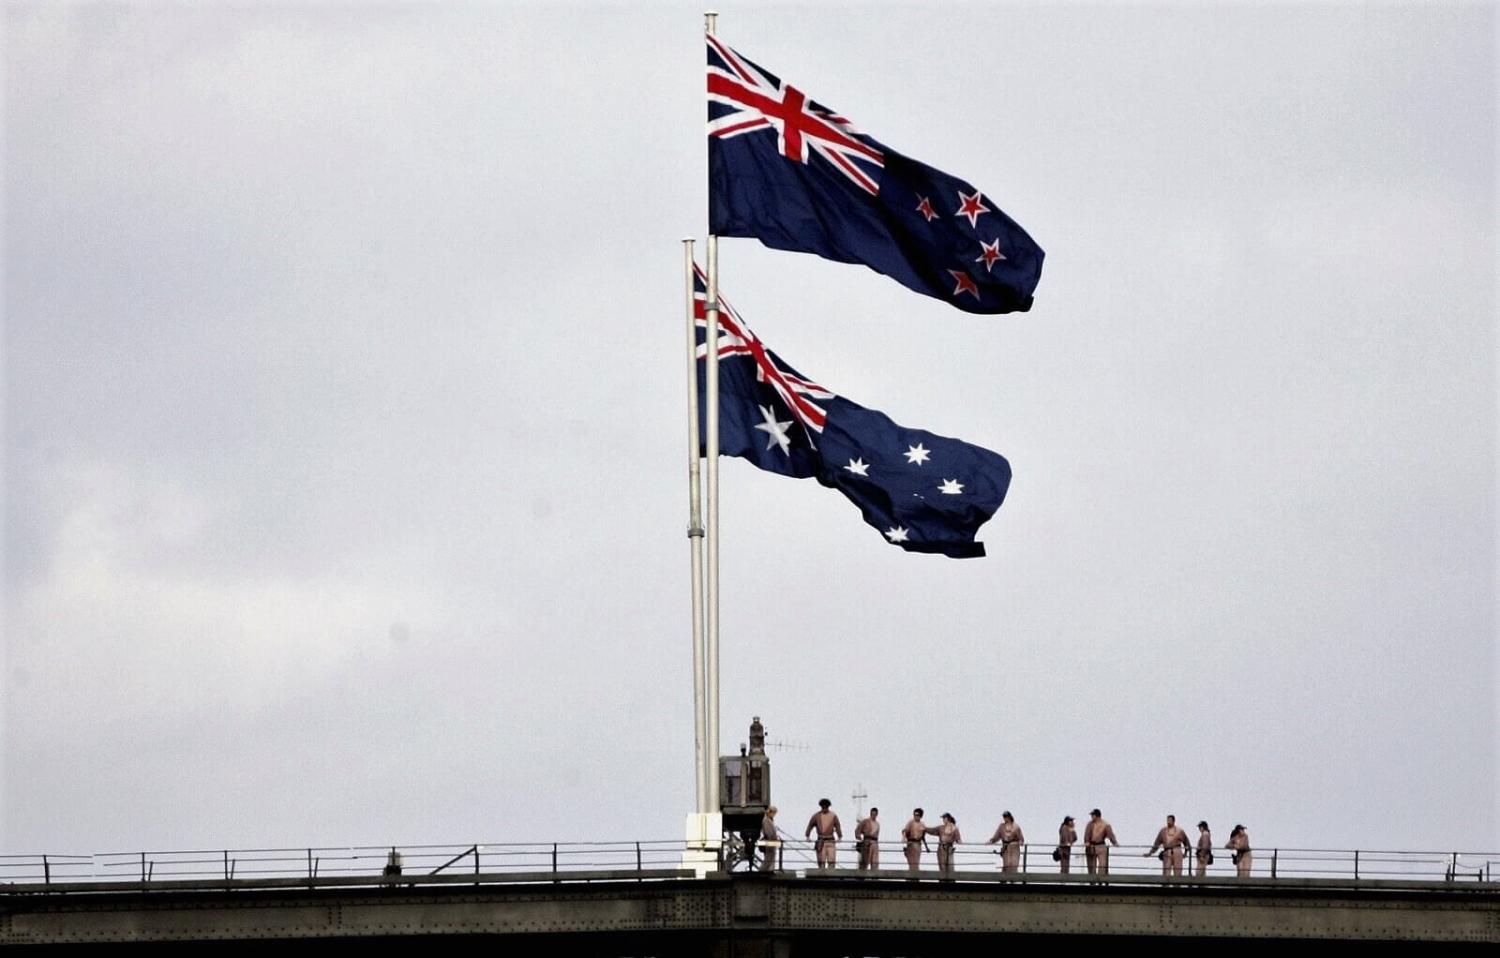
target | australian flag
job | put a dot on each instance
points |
(923, 492)
(797, 176)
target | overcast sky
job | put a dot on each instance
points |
(345, 445)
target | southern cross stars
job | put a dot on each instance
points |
(971, 207)
(964, 282)
(896, 533)
(859, 467)
(925, 208)
(916, 455)
(775, 431)
(991, 254)
(951, 487)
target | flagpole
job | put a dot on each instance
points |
(711, 451)
(711, 584)
(695, 534)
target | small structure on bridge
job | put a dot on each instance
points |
(745, 790)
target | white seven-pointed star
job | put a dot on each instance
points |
(775, 431)
(951, 487)
(896, 533)
(859, 467)
(916, 455)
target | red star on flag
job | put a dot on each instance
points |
(971, 207)
(965, 283)
(990, 255)
(925, 208)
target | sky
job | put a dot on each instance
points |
(345, 436)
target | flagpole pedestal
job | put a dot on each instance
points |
(703, 842)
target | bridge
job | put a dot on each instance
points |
(636, 899)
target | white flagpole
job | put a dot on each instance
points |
(695, 533)
(711, 451)
(711, 585)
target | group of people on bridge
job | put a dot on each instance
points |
(1172, 844)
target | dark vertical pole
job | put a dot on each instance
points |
(46, 871)
(638, 860)
(1274, 852)
(1356, 864)
(554, 861)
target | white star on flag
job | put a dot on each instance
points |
(896, 534)
(776, 431)
(916, 455)
(951, 487)
(859, 467)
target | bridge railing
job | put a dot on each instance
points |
(664, 859)
(1036, 860)
(406, 861)
(1274, 862)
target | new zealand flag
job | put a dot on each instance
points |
(797, 176)
(923, 492)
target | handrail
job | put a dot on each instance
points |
(631, 858)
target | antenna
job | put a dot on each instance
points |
(781, 745)
(859, 797)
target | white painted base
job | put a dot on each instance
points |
(703, 835)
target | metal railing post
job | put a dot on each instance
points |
(554, 861)
(1274, 853)
(638, 861)
(1356, 864)
(143, 866)
(226, 864)
(309, 863)
(476, 859)
(46, 871)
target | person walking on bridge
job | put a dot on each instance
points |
(948, 836)
(867, 837)
(1173, 842)
(1239, 843)
(914, 834)
(1009, 835)
(770, 843)
(1095, 851)
(1066, 836)
(1205, 854)
(826, 823)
